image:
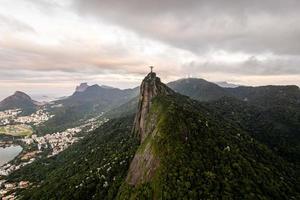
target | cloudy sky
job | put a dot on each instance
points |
(50, 46)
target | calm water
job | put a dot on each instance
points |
(8, 153)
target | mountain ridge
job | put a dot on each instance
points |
(198, 89)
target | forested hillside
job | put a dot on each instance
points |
(201, 156)
(94, 168)
(278, 126)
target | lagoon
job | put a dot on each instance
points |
(9, 153)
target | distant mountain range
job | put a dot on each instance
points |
(91, 100)
(96, 99)
(107, 96)
(85, 102)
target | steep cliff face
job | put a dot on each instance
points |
(150, 88)
(145, 161)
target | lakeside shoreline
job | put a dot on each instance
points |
(9, 153)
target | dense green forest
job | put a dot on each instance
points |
(277, 126)
(202, 156)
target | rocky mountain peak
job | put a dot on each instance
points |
(150, 88)
(21, 95)
(18, 100)
(82, 87)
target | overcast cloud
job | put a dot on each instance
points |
(247, 42)
(255, 26)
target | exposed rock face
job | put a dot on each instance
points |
(143, 166)
(145, 161)
(151, 87)
(82, 87)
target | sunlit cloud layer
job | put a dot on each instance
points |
(52, 45)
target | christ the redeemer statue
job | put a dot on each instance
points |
(151, 68)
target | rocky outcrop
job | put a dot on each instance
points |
(150, 87)
(145, 161)
(82, 87)
(144, 164)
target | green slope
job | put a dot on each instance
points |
(277, 126)
(201, 156)
(267, 96)
(128, 108)
(271, 114)
(94, 168)
(84, 105)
